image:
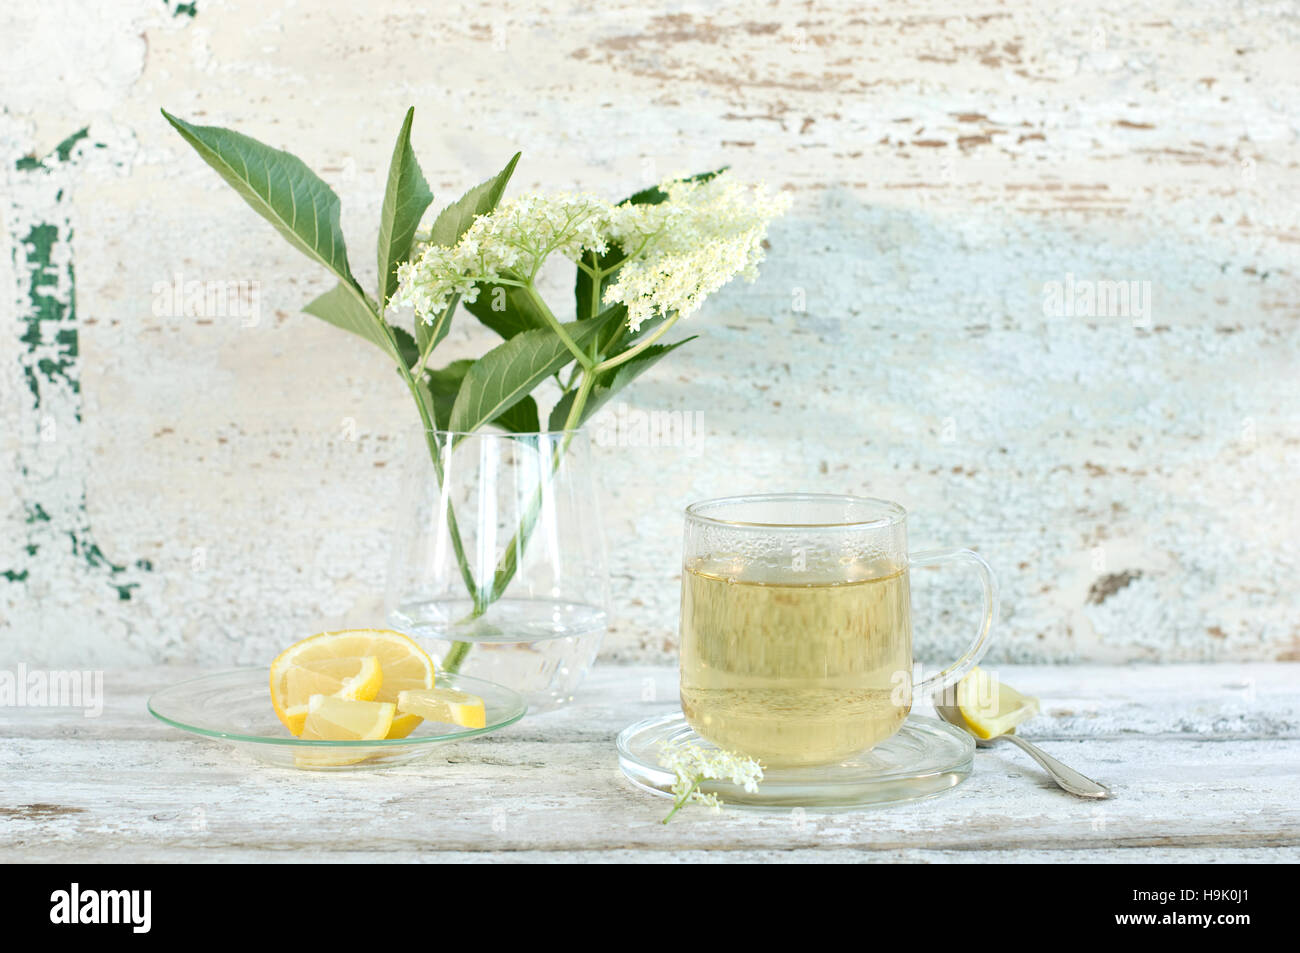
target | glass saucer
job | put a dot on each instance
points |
(236, 707)
(924, 758)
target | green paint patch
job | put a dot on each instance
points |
(63, 152)
(49, 351)
(64, 149)
(45, 308)
(190, 9)
(91, 553)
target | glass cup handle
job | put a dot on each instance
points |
(980, 644)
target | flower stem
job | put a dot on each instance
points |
(597, 280)
(636, 349)
(505, 570)
(455, 657)
(458, 650)
(558, 328)
(435, 335)
(509, 562)
(681, 801)
(579, 402)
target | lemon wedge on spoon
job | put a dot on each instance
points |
(990, 707)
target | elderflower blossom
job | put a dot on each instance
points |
(693, 763)
(510, 244)
(678, 251)
(694, 243)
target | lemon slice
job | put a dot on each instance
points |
(990, 707)
(403, 665)
(338, 719)
(355, 679)
(445, 705)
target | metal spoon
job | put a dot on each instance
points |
(1069, 779)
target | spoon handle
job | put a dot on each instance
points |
(1066, 777)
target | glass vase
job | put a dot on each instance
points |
(498, 564)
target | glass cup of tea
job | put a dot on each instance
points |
(796, 627)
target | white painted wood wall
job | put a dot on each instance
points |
(1132, 477)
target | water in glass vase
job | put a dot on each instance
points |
(539, 647)
(795, 666)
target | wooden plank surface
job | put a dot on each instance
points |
(1205, 760)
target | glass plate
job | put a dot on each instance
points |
(922, 759)
(236, 707)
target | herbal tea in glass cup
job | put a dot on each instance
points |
(796, 630)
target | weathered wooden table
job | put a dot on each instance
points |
(1205, 761)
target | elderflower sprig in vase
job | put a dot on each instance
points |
(641, 265)
(693, 764)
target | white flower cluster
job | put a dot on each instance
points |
(693, 763)
(510, 244)
(694, 243)
(679, 251)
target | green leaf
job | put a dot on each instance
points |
(442, 386)
(615, 327)
(508, 373)
(279, 187)
(615, 380)
(341, 307)
(406, 349)
(507, 310)
(405, 201)
(453, 221)
(583, 285)
(521, 418)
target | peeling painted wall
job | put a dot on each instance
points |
(933, 324)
